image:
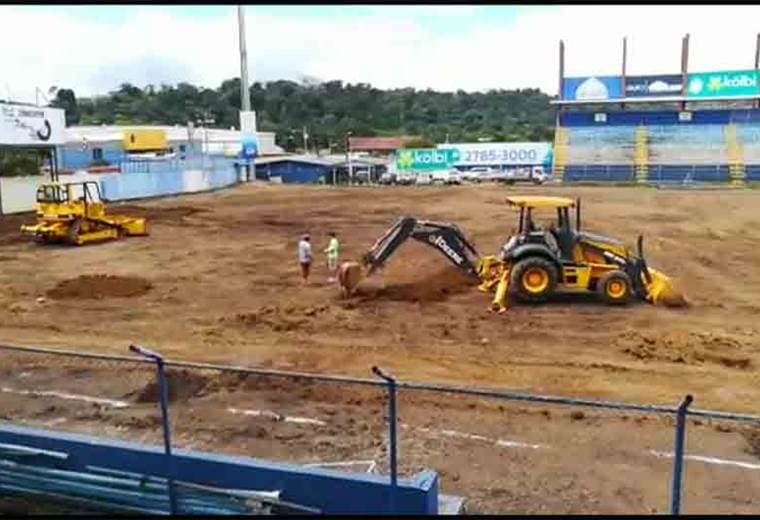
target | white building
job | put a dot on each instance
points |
(208, 140)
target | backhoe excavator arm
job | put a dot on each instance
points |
(446, 238)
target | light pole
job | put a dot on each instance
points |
(245, 98)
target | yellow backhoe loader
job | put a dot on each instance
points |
(75, 213)
(535, 262)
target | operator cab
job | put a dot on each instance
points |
(559, 236)
(54, 193)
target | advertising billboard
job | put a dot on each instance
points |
(249, 145)
(506, 154)
(722, 84)
(594, 88)
(22, 125)
(426, 158)
(653, 86)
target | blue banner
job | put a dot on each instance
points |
(654, 86)
(594, 88)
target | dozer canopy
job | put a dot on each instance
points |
(530, 202)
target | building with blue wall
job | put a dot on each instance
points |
(88, 146)
(293, 169)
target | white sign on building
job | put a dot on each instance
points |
(507, 154)
(22, 125)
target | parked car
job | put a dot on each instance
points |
(480, 174)
(388, 178)
(448, 176)
(406, 178)
(423, 178)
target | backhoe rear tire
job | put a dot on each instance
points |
(615, 288)
(533, 279)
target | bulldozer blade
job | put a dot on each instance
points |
(662, 291)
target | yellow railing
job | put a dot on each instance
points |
(735, 155)
(641, 154)
(560, 152)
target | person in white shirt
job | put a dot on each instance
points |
(304, 256)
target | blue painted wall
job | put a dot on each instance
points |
(142, 179)
(76, 158)
(292, 171)
(699, 117)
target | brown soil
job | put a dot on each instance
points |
(100, 286)
(182, 385)
(226, 289)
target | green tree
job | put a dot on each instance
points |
(67, 100)
(331, 109)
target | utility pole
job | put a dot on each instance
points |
(245, 99)
(348, 157)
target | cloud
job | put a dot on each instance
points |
(393, 46)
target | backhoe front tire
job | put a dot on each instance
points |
(533, 279)
(615, 288)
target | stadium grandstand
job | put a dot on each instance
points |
(674, 128)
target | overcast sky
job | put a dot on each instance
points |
(93, 49)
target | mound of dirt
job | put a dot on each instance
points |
(276, 318)
(182, 386)
(100, 286)
(435, 287)
(691, 348)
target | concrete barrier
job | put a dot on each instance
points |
(18, 194)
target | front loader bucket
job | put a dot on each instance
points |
(662, 291)
(659, 287)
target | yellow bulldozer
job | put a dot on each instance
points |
(535, 262)
(75, 213)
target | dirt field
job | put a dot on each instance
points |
(217, 281)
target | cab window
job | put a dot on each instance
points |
(51, 194)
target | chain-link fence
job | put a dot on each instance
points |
(505, 451)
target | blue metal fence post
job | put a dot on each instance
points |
(393, 427)
(675, 494)
(163, 399)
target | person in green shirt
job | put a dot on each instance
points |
(332, 251)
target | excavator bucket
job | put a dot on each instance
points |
(661, 290)
(349, 276)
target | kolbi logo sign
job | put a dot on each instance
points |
(723, 84)
(426, 158)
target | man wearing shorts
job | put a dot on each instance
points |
(332, 257)
(304, 257)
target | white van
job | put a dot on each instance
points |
(534, 174)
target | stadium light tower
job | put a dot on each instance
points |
(245, 99)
